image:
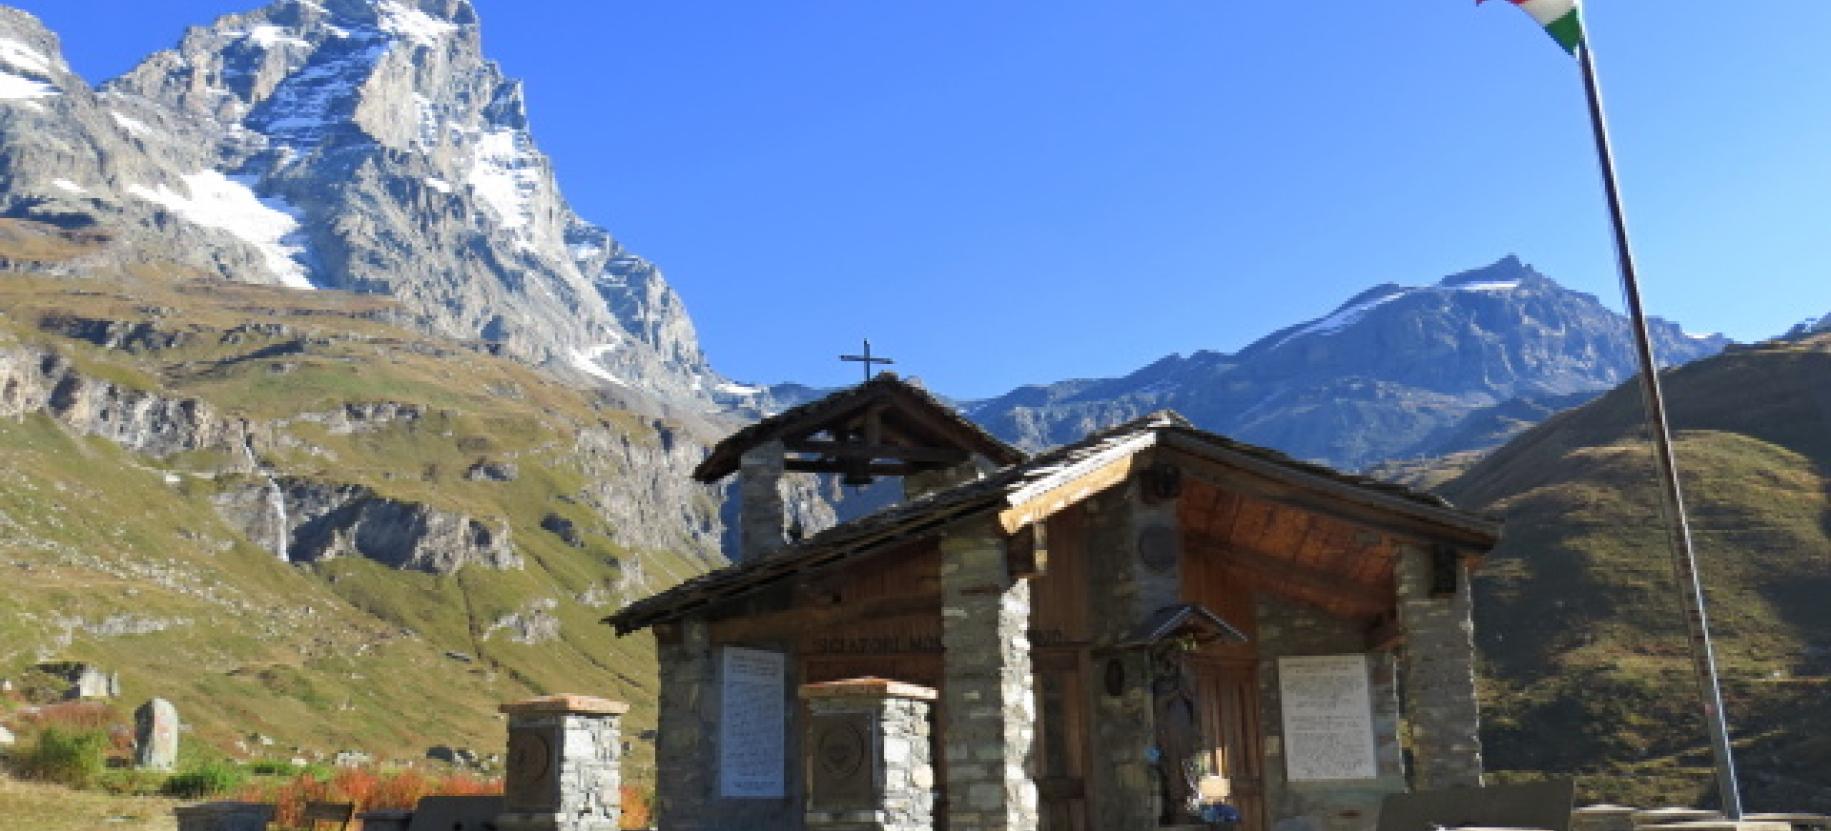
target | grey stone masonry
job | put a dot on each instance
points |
(989, 708)
(156, 735)
(760, 510)
(563, 765)
(1438, 673)
(1135, 571)
(224, 816)
(870, 756)
(684, 769)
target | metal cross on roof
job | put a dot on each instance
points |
(867, 360)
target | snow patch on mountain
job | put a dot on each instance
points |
(227, 204)
(267, 36)
(412, 24)
(24, 58)
(133, 126)
(586, 361)
(506, 177)
(68, 186)
(18, 88)
(1341, 319)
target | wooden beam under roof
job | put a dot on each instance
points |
(1361, 597)
(1360, 505)
(858, 450)
(856, 466)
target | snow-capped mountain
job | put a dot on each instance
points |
(365, 145)
(1396, 372)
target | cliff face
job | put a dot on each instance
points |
(288, 491)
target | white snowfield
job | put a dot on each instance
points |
(506, 177)
(16, 88)
(412, 24)
(216, 201)
(1348, 316)
(24, 58)
(586, 361)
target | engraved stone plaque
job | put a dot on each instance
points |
(1328, 718)
(842, 763)
(753, 724)
(529, 784)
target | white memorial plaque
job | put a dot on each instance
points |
(752, 726)
(1328, 718)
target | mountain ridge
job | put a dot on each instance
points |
(1429, 356)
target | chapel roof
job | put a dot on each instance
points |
(1023, 483)
(906, 409)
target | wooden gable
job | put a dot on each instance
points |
(883, 427)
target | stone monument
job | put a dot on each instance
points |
(156, 735)
(870, 761)
(563, 758)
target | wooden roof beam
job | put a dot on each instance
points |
(1359, 506)
(853, 450)
(1363, 598)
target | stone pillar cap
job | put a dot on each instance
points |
(867, 687)
(565, 703)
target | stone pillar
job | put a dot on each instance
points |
(760, 509)
(1135, 552)
(916, 485)
(563, 760)
(869, 756)
(156, 735)
(686, 773)
(1438, 668)
(990, 709)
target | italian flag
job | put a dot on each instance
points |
(1561, 19)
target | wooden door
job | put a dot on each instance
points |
(1228, 695)
(1061, 738)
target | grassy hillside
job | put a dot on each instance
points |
(1579, 623)
(130, 561)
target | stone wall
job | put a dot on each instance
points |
(1438, 663)
(1127, 586)
(1291, 629)
(989, 707)
(687, 745)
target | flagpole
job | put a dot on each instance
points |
(1672, 500)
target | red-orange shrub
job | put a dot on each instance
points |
(73, 715)
(366, 788)
(637, 814)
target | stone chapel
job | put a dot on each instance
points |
(1153, 627)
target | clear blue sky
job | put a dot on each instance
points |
(1028, 190)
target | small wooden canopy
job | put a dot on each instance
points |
(883, 427)
(1178, 620)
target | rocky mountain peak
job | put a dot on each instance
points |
(364, 145)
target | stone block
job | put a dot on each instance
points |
(156, 735)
